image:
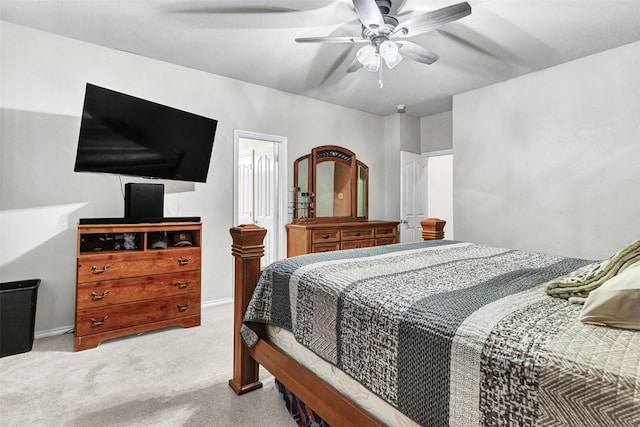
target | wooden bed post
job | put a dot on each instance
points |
(433, 228)
(334, 407)
(247, 249)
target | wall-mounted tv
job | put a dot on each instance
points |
(122, 134)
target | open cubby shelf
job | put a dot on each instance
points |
(100, 238)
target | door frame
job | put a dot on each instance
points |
(281, 183)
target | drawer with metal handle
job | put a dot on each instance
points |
(386, 231)
(112, 317)
(325, 247)
(325, 236)
(97, 267)
(353, 244)
(357, 233)
(118, 291)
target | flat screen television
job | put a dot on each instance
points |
(122, 134)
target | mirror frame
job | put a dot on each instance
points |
(301, 202)
(365, 194)
(319, 155)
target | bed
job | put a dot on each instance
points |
(442, 332)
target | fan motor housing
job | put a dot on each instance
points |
(384, 6)
(390, 20)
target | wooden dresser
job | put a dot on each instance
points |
(133, 278)
(305, 238)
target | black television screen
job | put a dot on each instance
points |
(122, 134)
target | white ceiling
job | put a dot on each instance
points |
(253, 41)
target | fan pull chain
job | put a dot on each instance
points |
(380, 77)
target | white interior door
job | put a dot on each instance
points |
(245, 195)
(413, 196)
(265, 196)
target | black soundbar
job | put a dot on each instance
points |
(138, 220)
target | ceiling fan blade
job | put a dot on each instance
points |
(431, 20)
(253, 7)
(337, 64)
(466, 43)
(354, 66)
(417, 53)
(368, 13)
(236, 10)
(331, 40)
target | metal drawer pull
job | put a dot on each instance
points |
(184, 261)
(181, 285)
(96, 270)
(357, 233)
(325, 250)
(325, 236)
(95, 322)
(183, 308)
(385, 231)
(95, 296)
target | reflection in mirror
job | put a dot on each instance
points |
(324, 188)
(303, 175)
(333, 189)
(302, 208)
(362, 191)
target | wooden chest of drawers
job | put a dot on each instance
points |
(323, 237)
(133, 278)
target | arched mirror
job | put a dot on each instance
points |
(330, 185)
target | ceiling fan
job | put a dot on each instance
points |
(381, 31)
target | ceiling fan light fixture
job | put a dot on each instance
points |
(389, 52)
(378, 27)
(369, 58)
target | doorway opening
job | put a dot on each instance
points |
(426, 185)
(260, 188)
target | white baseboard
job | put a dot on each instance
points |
(51, 332)
(217, 302)
(69, 328)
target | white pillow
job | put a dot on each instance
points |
(616, 302)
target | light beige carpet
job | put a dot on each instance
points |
(171, 377)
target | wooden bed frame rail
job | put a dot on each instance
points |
(334, 407)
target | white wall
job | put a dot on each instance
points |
(402, 133)
(436, 132)
(436, 137)
(41, 198)
(550, 161)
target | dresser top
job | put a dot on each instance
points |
(343, 224)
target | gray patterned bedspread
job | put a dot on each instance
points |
(456, 334)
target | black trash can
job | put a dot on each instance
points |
(17, 316)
